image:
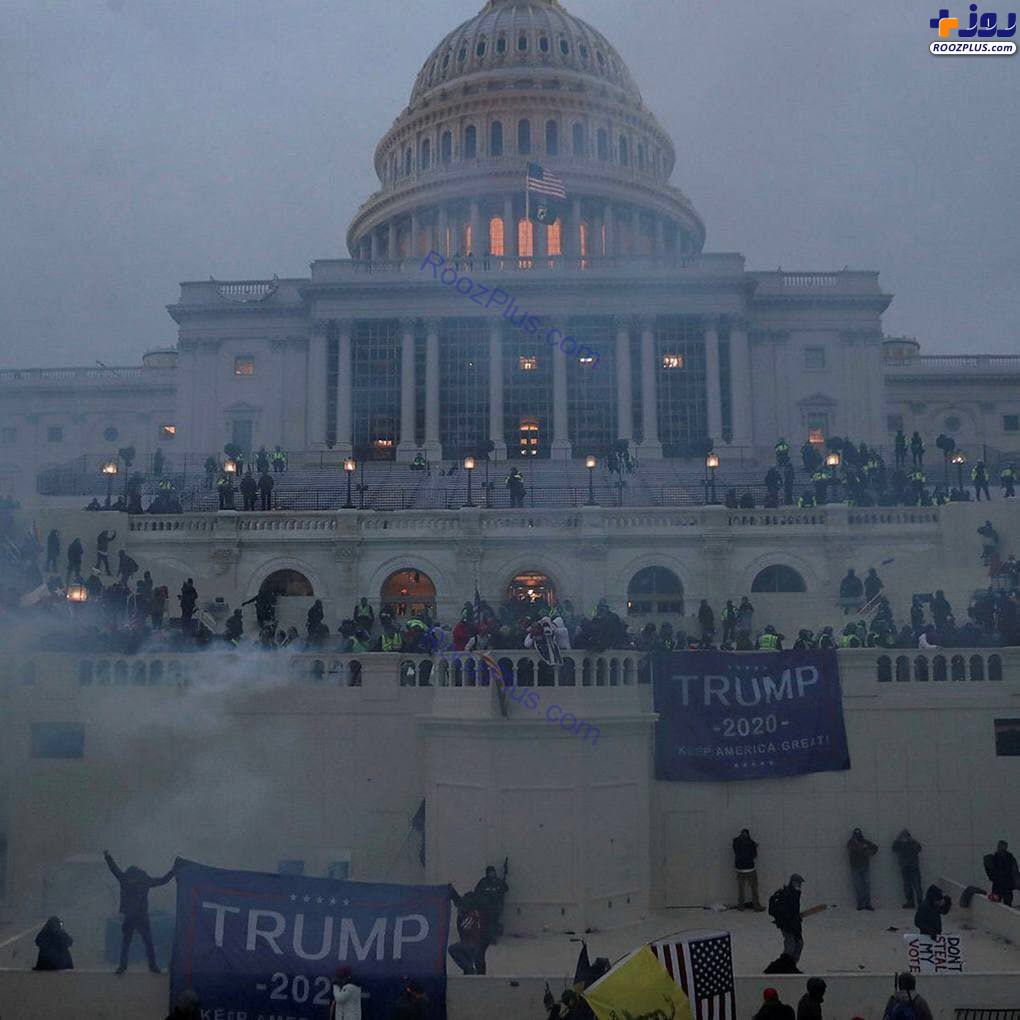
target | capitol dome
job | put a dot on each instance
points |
(522, 82)
(508, 35)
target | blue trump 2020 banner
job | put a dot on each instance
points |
(257, 946)
(725, 716)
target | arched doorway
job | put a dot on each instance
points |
(778, 578)
(408, 593)
(531, 592)
(287, 583)
(655, 590)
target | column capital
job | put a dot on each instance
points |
(496, 328)
(344, 327)
(711, 322)
(408, 324)
(644, 323)
(319, 327)
(738, 324)
(623, 324)
(432, 325)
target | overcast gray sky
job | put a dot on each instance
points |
(146, 142)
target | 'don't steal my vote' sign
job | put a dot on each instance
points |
(256, 946)
(748, 715)
(941, 955)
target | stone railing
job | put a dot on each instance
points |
(953, 363)
(844, 282)
(944, 665)
(129, 376)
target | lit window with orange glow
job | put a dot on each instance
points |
(584, 239)
(528, 362)
(496, 245)
(167, 431)
(525, 239)
(468, 249)
(672, 361)
(554, 239)
(244, 366)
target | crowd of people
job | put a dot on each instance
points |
(857, 474)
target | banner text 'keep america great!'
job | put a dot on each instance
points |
(264, 947)
(731, 716)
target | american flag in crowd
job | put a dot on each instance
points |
(542, 182)
(701, 963)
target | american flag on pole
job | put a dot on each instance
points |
(701, 963)
(542, 182)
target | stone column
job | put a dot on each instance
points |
(610, 226)
(391, 252)
(441, 240)
(479, 243)
(375, 245)
(741, 396)
(407, 447)
(712, 387)
(650, 445)
(433, 447)
(624, 394)
(635, 231)
(344, 390)
(660, 236)
(560, 449)
(315, 387)
(496, 388)
(509, 227)
(412, 241)
(573, 236)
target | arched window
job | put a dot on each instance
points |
(641, 156)
(501, 45)
(578, 139)
(446, 147)
(525, 239)
(426, 154)
(564, 47)
(655, 590)
(524, 137)
(779, 578)
(470, 142)
(552, 138)
(287, 583)
(407, 161)
(531, 592)
(624, 152)
(554, 239)
(497, 245)
(543, 43)
(522, 42)
(496, 139)
(480, 48)
(408, 593)
(602, 144)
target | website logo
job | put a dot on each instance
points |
(979, 34)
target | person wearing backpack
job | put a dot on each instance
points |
(904, 1004)
(929, 914)
(784, 909)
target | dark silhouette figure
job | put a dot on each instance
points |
(935, 905)
(103, 540)
(52, 551)
(188, 1007)
(472, 927)
(188, 598)
(126, 568)
(54, 947)
(492, 889)
(75, 551)
(1001, 869)
(249, 490)
(773, 1008)
(266, 490)
(134, 905)
(908, 850)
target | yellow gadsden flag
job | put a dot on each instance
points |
(638, 988)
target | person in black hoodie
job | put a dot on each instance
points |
(773, 1008)
(134, 905)
(745, 852)
(1001, 870)
(931, 911)
(908, 850)
(784, 906)
(54, 947)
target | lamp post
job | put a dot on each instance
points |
(711, 464)
(230, 466)
(110, 469)
(469, 467)
(832, 462)
(959, 459)
(590, 463)
(349, 467)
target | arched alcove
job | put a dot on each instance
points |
(408, 592)
(286, 583)
(655, 590)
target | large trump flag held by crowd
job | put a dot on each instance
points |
(745, 715)
(261, 945)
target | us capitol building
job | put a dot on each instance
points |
(666, 343)
(380, 356)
